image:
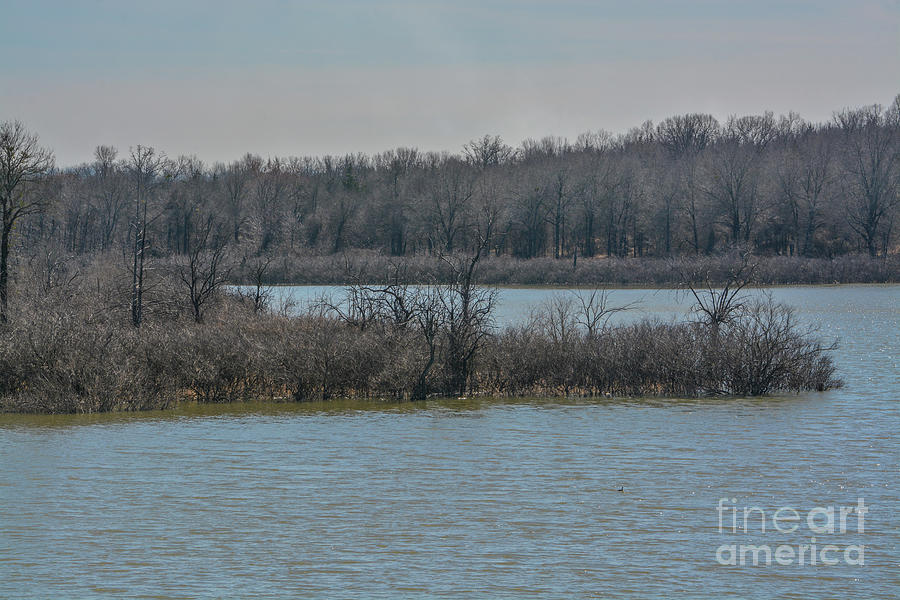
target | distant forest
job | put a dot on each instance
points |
(690, 185)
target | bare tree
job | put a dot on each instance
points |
(145, 167)
(594, 311)
(343, 210)
(468, 310)
(561, 199)
(203, 270)
(110, 192)
(555, 317)
(260, 295)
(733, 172)
(622, 195)
(22, 163)
(871, 159)
(719, 305)
(430, 320)
(685, 138)
(449, 197)
(598, 171)
(236, 178)
(269, 193)
(805, 178)
(488, 151)
(529, 214)
(665, 186)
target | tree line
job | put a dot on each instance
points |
(690, 185)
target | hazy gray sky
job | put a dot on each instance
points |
(277, 77)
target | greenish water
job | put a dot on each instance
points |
(466, 498)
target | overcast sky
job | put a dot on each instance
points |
(221, 78)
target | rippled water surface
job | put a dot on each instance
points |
(495, 499)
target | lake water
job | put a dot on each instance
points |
(494, 499)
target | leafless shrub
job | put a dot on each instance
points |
(765, 350)
(204, 269)
(594, 310)
(259, 296)
(718, 305)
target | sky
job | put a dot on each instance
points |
(218, 79)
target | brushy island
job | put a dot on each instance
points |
(71, 348)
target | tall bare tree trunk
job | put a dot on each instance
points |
(137, 269)
(4, 273)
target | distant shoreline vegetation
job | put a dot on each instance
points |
(372, 267)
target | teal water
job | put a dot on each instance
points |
(467, 498)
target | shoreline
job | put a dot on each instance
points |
(556, 286)
(627, 273)
(269, 407)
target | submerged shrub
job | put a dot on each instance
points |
(764, 350)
